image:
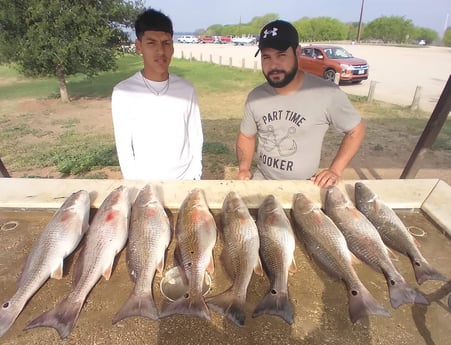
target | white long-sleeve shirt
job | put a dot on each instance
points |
(158, 137)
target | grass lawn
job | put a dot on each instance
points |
(37, 131)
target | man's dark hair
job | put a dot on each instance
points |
(152, 20)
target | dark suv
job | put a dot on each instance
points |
(326, 60)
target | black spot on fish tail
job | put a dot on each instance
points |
(275, 303)
(187, 305)
(424, 271)
(62, 318)
(137, 305)
(402, 293)
(362, 303)
(8, 314)
(229, 305)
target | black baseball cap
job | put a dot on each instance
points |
(279, 35)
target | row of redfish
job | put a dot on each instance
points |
(270, 241)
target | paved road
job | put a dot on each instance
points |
(397, 71)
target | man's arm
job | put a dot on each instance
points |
(245, 147)
(349, 146)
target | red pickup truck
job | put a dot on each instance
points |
(215, 39)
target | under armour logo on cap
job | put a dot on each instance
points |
(273, 32)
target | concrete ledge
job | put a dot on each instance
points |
(51, 193)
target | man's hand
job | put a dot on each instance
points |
(326, 178)
(244, 175)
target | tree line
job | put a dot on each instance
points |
(387, 29)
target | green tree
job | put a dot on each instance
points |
(426, 34)
(389, 29)
(321, 29)
(447, 37)
(64, 37)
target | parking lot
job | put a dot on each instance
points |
(397, 71)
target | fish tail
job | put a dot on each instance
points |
(362, 303)
(187, 305)
(229, 305)
(424, 271)
(8, 314)
(62, 318)
(402, 293)
(275, 303)
(138, 305)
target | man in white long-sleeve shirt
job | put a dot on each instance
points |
(156, 117)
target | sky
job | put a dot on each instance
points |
(189, 16)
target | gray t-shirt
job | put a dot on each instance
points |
(290, 128)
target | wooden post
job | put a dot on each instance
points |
(201, 57)
(220, 60)
(243, 63)
(416, 98)
(430, 133)
(211, 58)
(190, 56)
(230, 61)
(371, 91)
(337, 78)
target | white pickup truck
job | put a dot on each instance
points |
(244, 40)
(188, 39)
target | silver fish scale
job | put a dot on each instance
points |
(241, 241)
(324, 240)
(196, 236)
(106, 236)
(58, 239)
(149, 237)
(277, 242)
(390, 227)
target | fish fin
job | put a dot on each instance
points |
(138, 305)
(229, 305)
(58, 272)
(258, 269)
(275, 303)
(211, 265)
(187, 305)
(292, 268)
(393, 256)
(424, 271)
(401, 293)
(362, 303)
(62, 318)
(107, 272)
(160, 267)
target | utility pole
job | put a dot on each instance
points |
(360, 21)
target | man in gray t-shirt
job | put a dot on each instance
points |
(290, 114)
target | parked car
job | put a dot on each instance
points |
(326, 60)
(210, 39)
(244, 40)
(188, 39)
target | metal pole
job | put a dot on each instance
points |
(430, 132)
(360, 21)
(3, 171)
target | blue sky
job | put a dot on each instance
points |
(188, 16)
